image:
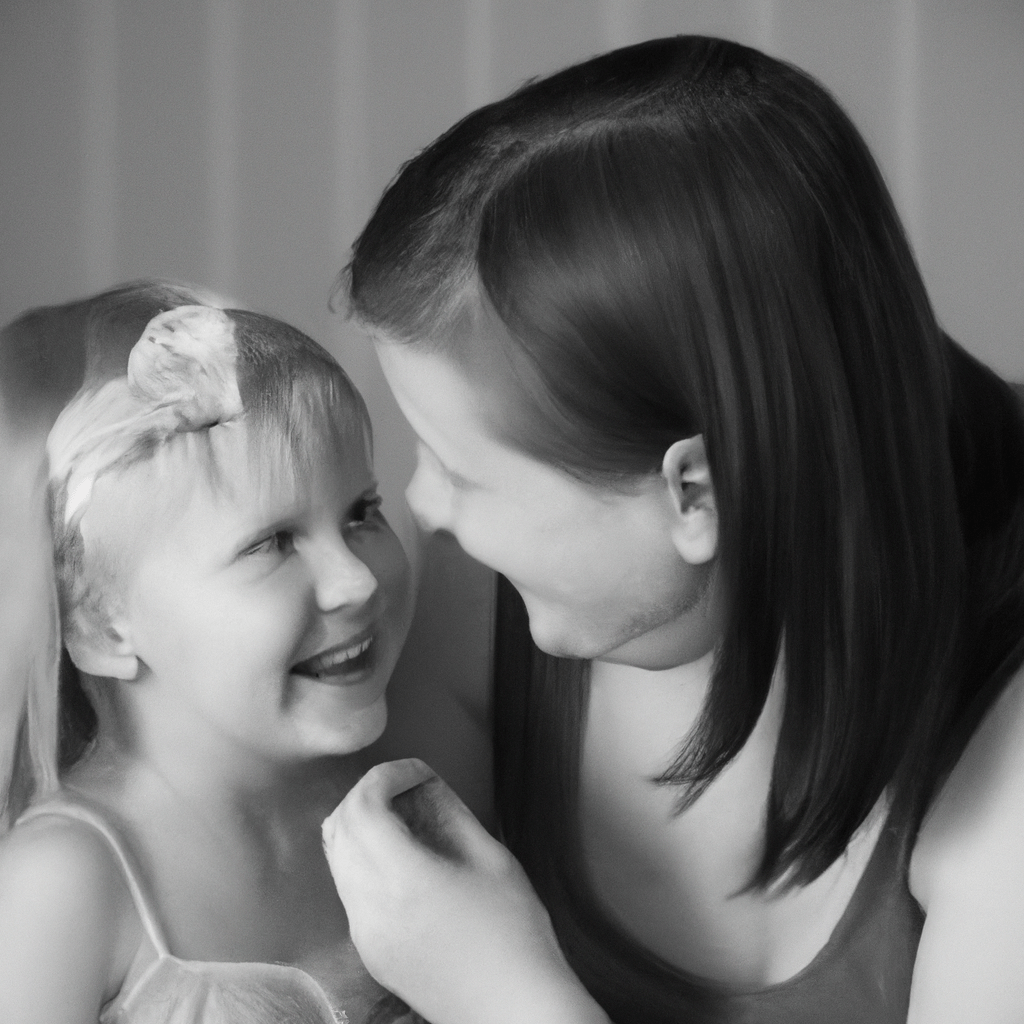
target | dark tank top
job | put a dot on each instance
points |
(861, 976)
(863, 973)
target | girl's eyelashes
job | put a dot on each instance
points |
(363, 512)
(280, 542)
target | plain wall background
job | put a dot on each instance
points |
(241, 144)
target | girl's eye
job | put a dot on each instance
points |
(365, 510)
(278, 543)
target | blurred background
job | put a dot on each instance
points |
(241, 144)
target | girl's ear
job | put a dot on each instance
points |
(103, 651)
(695, 526)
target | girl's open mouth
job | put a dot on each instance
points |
(340, 660)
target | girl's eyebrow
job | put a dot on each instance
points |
(269, 526)
(255, 537)
(286, 520)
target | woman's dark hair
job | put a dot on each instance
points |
(689, 237)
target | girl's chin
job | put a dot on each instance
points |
(353, 728)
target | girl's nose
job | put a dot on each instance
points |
(429, 495)
(340, 578)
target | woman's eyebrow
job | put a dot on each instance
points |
(458, 479)
(368, 494)
(455, 477)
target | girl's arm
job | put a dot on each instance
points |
(967, 871)
(441, 913)
(67, 929)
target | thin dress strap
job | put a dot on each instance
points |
(91, 818)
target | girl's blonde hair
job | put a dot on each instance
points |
(46, 355)
(194, 366)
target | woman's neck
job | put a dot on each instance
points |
(636, 723)
(678, 882)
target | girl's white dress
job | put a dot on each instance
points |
(161, 988)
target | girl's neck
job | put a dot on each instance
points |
(236, 869)
(208, 778)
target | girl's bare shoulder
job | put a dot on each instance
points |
(68, 931)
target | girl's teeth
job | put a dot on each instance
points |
(346, 655)
(339, 657)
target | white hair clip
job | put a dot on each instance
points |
(186, 358)
(182, 376)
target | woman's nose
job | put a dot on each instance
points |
(429, 495)
(340, 578)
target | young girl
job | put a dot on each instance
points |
(232, 602)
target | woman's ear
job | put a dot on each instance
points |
(695, 527)
(105, 651)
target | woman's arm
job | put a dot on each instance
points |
(441, 913)
(67, 933)
(967, 871)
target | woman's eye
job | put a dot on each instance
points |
(365, 510)
(278, 543)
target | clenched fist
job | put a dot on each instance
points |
(441, 913)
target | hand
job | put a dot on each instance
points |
(441, 913)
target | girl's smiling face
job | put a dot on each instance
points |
(266, 609)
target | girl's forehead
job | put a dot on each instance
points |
(261, 471)
(224, 479)
(267, 458)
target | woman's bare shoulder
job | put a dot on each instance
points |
(967, 871)
(67, 926)
(979, 811)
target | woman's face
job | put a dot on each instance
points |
(266, 612)
(596, 567)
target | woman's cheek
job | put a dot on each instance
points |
(480, 529)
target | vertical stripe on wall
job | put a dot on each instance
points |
(907, 172)
(620, 22)
(478, 72)
(351, 177)
(99, 143)
(351, 200)
(222, 43)
(762, 19)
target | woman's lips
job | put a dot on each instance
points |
(345, 659)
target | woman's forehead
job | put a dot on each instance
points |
(454, 417)
(443, 406)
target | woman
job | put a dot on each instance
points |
(676, 377)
